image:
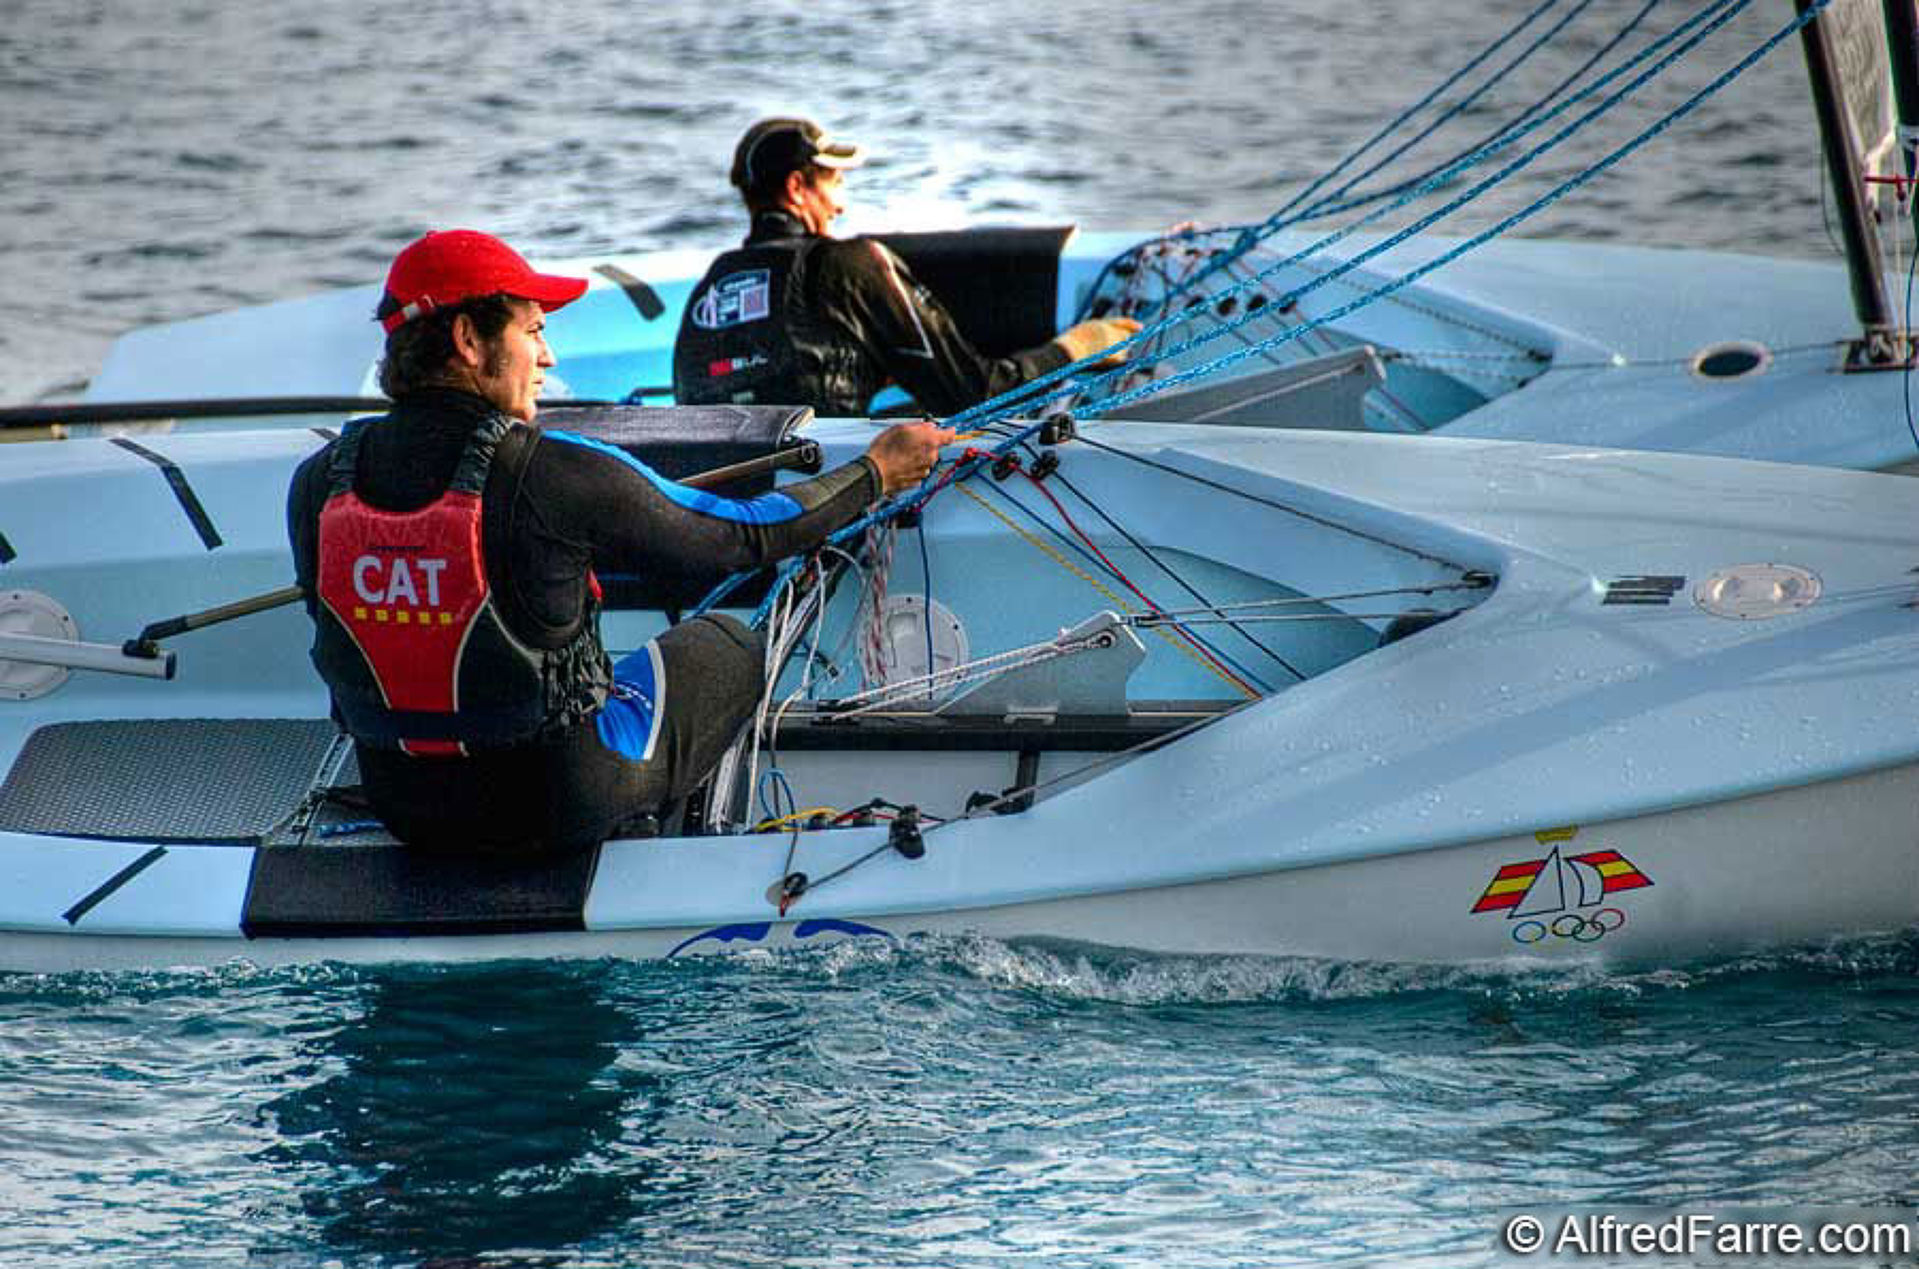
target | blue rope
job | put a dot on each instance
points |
(771, 811)
(1279, 219)
(1251, 236)
(1405, 116)
(1552, 196)
(1728, 9)
(1328, 208)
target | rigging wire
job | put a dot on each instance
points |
(1186, 648)
(1250, 236)
(790, 611)
(1714, 16)
(1729, 9)
(1163, 567)
(1120, 576)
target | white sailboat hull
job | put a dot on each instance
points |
(1667, 782)
(1790, 867)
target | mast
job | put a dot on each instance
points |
(1847, 29)
(1902, 43)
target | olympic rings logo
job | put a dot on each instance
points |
(1571, 925)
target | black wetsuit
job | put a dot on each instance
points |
(794, 318)
(564, 506)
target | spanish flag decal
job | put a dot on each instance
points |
(1616, 872)
(1509, 886)
(1559, 883)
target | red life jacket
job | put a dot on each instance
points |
(408, 636)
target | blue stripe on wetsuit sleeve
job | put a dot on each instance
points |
(772, 508)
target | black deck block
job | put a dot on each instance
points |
(386, 890)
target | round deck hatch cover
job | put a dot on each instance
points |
(918, 637)
(26, 612)
(1754, 592)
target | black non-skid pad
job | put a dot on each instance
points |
(182, 490)
(644, 297)
(163, 780)
(383, 890)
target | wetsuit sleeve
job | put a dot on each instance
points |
(306, 494)
(908, 331)
(631, 519)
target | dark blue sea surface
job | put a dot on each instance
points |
(952, 1102)
(945, 1103)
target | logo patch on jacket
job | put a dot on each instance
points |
(734, 300)
(733, 365)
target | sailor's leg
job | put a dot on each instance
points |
(702, 679)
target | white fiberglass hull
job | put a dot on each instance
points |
(1594, 758)
(1788, 867)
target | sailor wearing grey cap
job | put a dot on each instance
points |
(773, 148)
(798, 317)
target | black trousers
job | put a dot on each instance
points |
(573, 792)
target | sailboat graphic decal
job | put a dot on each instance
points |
(1562, 895)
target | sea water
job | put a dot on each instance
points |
(951, 1102)
(938, 1103)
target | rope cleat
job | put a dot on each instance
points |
(904, 834)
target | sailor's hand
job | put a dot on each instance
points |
(1087, 338)
(906, 454)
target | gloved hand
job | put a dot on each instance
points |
(1088, 338)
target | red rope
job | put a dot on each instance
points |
(1128, 582)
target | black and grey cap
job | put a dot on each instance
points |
(773, 147)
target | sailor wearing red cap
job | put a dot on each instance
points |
(448, 550)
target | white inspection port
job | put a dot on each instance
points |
(1754, 592)
(29, 613)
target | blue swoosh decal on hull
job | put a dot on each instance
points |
(756, 932)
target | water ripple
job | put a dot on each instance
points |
(956, 1101)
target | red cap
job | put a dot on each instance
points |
(451, 265)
